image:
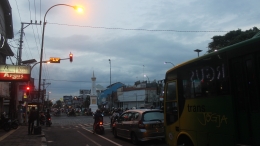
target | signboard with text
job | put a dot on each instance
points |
(15, 73)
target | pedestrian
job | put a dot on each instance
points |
(32, 117)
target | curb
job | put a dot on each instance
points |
(44, 142)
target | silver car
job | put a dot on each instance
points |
(140, 125)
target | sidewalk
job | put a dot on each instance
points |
(20, 137)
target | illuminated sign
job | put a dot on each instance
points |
(54, 60)
(15, 73)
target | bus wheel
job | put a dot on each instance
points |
(184, 141)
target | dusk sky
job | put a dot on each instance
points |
(138, 37)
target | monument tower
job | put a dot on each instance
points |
(93, 95)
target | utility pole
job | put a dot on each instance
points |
(15, 85)
(19, 57)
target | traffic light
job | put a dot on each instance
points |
(54, 60)
(27, 90)
(71, 57)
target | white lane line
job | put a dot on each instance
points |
(89, 139)
(117, 144)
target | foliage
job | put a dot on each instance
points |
(58, 104)
(231, 38)
(86, 103)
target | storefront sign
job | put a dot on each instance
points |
(15, 73)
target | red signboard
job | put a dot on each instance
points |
(15, 73)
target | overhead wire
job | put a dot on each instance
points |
(135, 29)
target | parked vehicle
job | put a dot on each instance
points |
(5, 124)
(14, 124)
(140, 125)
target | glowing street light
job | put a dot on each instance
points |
(43, 30)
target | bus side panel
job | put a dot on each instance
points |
(213, 116)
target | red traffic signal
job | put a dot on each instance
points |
(71, 57)
(27, 90)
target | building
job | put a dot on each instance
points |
(6, 32)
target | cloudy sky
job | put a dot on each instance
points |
(138, 37)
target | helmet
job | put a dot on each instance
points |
(98, 110)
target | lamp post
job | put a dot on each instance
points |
(40, 72)
(147, 78)
(198, 50)
(170, 63)
(136, 100)
(110, 85)
(48, 100)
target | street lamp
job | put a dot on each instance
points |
(147, 78)
(48, 100)
(198, 50)
(110, 84)
(136, 100)
(170, 63)
(43, 29)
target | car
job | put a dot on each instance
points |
(140, 125)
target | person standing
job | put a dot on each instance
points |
(32, 117)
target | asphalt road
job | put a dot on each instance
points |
(69, 131)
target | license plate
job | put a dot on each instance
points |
(156, 125)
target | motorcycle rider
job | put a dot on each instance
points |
(48, 116)
(114, 116)
(97, 118)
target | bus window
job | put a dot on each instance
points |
(171, 103)
(171, 91)
(171, 112)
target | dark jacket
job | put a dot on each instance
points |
(32, 116)
(98, 117)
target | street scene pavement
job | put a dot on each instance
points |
(67, 131)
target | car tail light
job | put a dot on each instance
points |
(100, 123)
(141, 125)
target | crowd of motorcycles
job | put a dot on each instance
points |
(7, 124)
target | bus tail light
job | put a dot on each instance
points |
(141, 125)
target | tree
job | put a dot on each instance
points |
(58, 104)
(231, 38)
(86, 103)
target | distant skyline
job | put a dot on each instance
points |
(138, 37)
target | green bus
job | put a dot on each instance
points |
(214, 100)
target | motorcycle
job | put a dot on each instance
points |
(99, 128)
(71, 114)
(42, 119)
(14, 124)
(57, 113)
(5, 124)
(48, 122)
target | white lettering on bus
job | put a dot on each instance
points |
(213, 117)
(208, 73)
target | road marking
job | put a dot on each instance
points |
(103, 137)
(89, 139)
(7, 134)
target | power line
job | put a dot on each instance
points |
(134, 29)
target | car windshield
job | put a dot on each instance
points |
(153, 116)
